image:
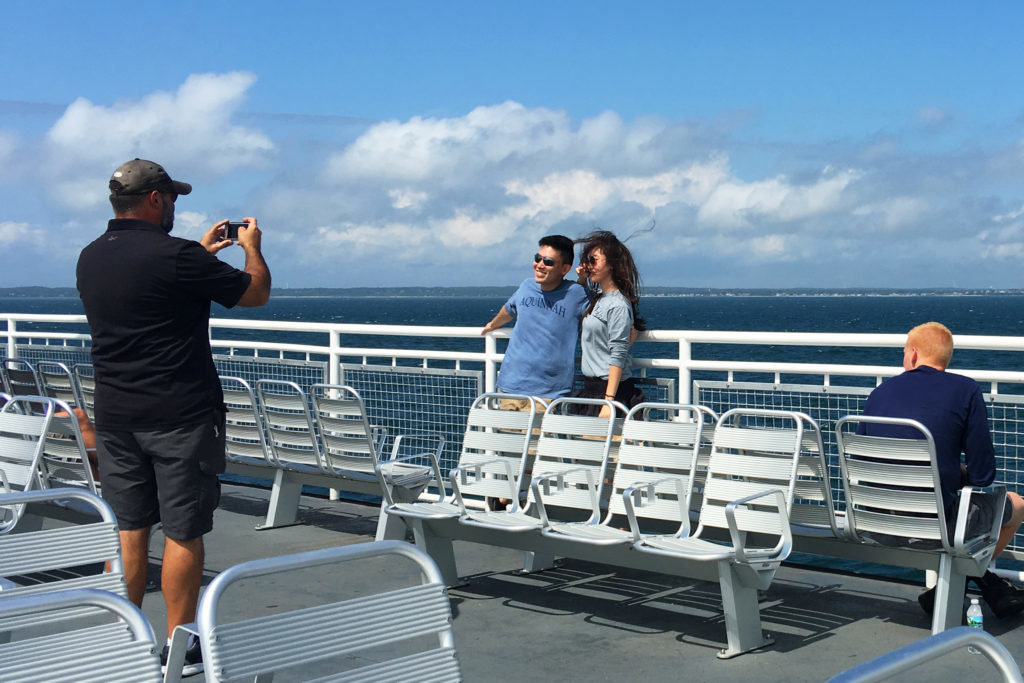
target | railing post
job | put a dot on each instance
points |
(12, 347)
(490, 365)
(685, 382)
(334, 362)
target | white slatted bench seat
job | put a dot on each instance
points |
(894, 515)
(653, 481)
(413, 619)
(325, 439)
(750, 481)
(63, 557)
(495, 454)
(72, 652)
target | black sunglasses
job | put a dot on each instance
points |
(548, 261)
(588, 260)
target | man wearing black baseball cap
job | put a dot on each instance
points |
(159, 408)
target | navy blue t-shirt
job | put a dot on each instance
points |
(952, 408)
(147, 298)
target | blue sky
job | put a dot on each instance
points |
(784, 144)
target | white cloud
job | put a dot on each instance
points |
(484, 186)
(895, 212)
(189, 131)
(13, 233)
(736, 204)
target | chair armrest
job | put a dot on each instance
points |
(433, 455)
(176, 652)
(459, 474)
(633, 497)
(963, 507)
(781, 549)
(559, 479)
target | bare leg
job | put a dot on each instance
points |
(1007, 531)
(88, 440)
(135, 554)
(181, 577)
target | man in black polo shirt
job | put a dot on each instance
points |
(159, 407)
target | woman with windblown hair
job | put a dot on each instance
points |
(608, 323)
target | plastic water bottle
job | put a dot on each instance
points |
(975, 619)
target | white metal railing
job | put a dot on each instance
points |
(667, 352)
(681, 362)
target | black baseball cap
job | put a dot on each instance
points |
(139, 176)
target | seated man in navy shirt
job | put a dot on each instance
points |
(952, 408)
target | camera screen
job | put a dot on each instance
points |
(232, 231)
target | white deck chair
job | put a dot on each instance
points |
(61, 557)
(65, 460)
(569, 469)
(124, 650)
(813, 512)
(749, 489)
(57, 381)
(350, 444)
(495, 454)
(289, 426)
(413, 621)
(894, 498)
(20, 378)
(24, 422)
(86, 382)
(653, 478)
(245, 440)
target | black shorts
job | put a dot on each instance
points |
(167, 475)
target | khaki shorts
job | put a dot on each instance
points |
(520, 404)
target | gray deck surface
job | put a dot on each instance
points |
(588, 622)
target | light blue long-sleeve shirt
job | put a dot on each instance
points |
(605, 336)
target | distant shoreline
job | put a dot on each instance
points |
(491, 292)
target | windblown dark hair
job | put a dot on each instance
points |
(624, 271)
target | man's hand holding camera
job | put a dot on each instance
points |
(218, 237)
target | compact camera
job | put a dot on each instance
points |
(231, 230)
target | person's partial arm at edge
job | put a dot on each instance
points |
(979, 452)
(258, 292)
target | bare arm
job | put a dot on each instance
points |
(498, 321)
(258, 292)
(614, 377)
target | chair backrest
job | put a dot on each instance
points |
(24, 422)
(496, 443)
(660, 443)
(348, 440)
(20, 377)
(65, 461)
(892, 485)
(813, 506)
(67, 650)
(57, 381)
(86, 382)
(575, 447)
(413, 620)
(288, 422)
(61, 557)
(245, 440)
(753, 451)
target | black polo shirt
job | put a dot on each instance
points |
(147, 298)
